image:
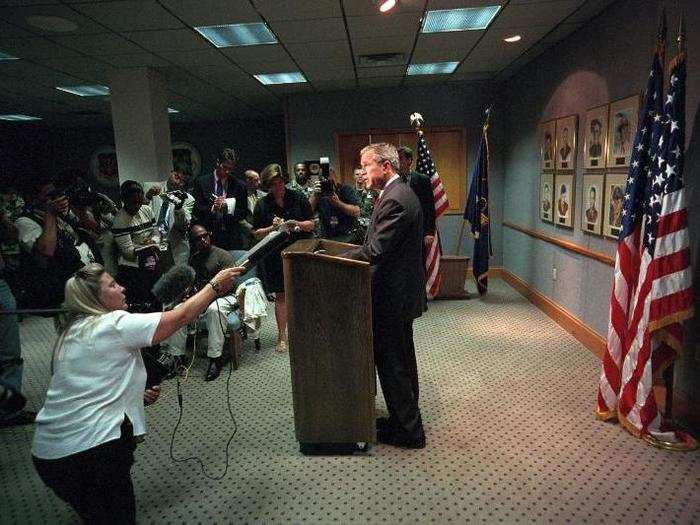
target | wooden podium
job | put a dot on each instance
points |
(329, 321)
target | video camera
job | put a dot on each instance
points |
(78, 193)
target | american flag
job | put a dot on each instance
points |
(652, 287)
(426, 166)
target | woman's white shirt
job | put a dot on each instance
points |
(99, 376)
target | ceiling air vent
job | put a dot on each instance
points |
(382, 60)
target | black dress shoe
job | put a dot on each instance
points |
(215, 366)
(396, 439)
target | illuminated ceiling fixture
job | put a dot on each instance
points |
(514, 38)
(463, 19)
(232, 35)
(85, 91)
(386, 5)
(293, 77)
(173, 110)
(18, 118)
(5, 56)
(435, 68)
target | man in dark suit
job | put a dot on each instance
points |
(214, 207)
(393, 247)
(423, 189)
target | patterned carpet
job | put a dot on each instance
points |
(507, 399)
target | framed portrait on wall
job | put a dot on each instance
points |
(622, 126)
(103, 166)
(615, 184)
(592, 203)
(546, 196)
(564, 200)
(547, 141)
(595, 131)
(187, 160)
(565, 151)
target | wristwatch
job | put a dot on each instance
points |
(216, 287)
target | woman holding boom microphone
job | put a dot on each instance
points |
(84, 440)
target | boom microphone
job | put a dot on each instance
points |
(172, 286)
(271, 242)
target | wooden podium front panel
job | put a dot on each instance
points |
(330, 346)
(453, 269)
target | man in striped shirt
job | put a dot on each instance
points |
(133, 231)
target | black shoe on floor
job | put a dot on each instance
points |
(24, 417)
(214, 370)
(398, 440)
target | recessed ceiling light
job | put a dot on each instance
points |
(230, 35)
(514, 38)
(18, 118)
(5, 56)
(464, 19)
(293, 77)
(173, 110)
(435, 68)
(386, 5)
(52, 23)
(85, 91)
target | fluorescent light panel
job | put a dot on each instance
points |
(464, 19)
(293, 77)
(85, 91)
(18, 118)
(436, 68)
(173, 110)
(237, 34)
(5, 56)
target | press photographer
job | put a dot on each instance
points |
(338, 206)
(84, 441)
(51, 247)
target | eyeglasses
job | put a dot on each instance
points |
(201, 236)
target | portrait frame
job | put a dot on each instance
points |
(565, 149)
(621, 138)
(592, 208)
(613, 203)
(547, 128)
(104, 167)
(563, 200)
(546, 196)
(595, 148)
(187, 159)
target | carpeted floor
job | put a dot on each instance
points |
(507, 399)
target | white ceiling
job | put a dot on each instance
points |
(322, 38)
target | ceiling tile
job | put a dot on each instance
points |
(83, 67)
(8, 30)
(212, 12)
(310, 30)
(369, 8)
(376, 82)
(282, 66)
(327, 51)
(18, 16)
(560, 32)
(530, 35)
(395, 44)
(590, 9)
(541, 14)
(460, 42)
(102, 44)
(205, 57)
(251, 55)
(382, 26)
(135, 60)
(168, 40)
(298, 10)
(39, 74)
(426, 55)
(386, 71)
(130, 15)
(331, 75)
(32, 48)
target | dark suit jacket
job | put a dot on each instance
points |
(394, 247)
(228, 233)
(423, 188)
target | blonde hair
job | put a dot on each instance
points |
(82, 298)
(269, 172)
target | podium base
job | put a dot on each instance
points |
(333, 449)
